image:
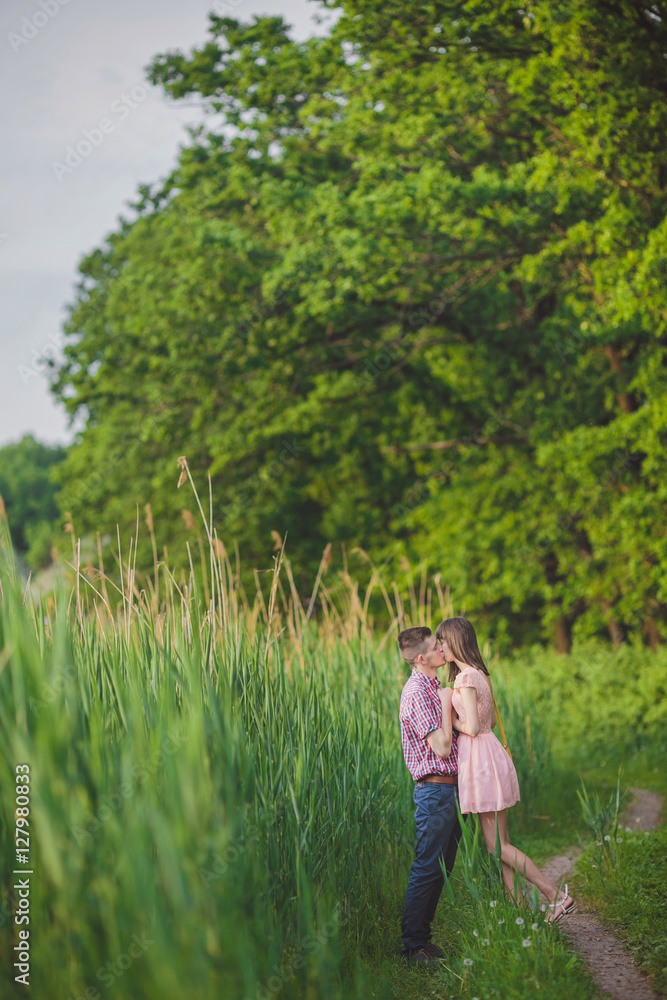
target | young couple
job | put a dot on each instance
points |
(448, 744)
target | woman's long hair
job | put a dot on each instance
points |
(460, 636)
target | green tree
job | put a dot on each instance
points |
(410, 298)
(29, 496)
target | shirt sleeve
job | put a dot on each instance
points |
(422, 714)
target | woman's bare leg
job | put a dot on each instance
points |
(508, 878)
(514, 859)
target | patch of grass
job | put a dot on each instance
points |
(644, 769)
(495, 949)
(623, 882)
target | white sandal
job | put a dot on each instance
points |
(561, 903)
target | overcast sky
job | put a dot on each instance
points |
(62, 70)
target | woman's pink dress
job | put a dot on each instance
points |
(487, 776)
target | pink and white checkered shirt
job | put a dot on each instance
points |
(420, 713)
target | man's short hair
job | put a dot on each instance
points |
(411, 642)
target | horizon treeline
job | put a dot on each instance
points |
(405, 291)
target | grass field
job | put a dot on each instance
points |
(219, 806)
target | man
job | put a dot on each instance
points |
(431, 754)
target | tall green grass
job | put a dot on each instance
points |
(219, 803)
(237, 812)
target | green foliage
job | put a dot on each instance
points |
(596, 705)
(29, 495)
(414, 300)
(623, 880)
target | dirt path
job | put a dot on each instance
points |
(609, 961)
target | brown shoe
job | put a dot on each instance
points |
(433, 950)
(421, 958)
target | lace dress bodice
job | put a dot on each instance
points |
(470, 677)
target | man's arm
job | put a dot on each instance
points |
(440, 740)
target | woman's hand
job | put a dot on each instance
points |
(440, 740)
(445, 696)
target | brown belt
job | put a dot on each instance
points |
(441, 779)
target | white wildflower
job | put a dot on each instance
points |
(526, 942)
(519, 921)
(467, 962)
(534, 927)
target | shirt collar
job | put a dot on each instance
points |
(432, 682)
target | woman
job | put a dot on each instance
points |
(488, 783)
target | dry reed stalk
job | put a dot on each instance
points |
(346, 611)
(272, 595)
(259, 597)
(298, 607)
(220, 559)
(202, 562)
(414, 607)
(400, 612)
(324, 564)
(380, 581)
(385, 637)
(151, 531)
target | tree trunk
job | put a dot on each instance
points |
(563, 635)
(617, 633)
(626, 400)
(651, 635)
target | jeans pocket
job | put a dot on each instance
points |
(427, 796)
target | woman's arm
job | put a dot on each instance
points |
(440, 740)
(471, 726)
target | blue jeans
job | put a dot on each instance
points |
(438, 834)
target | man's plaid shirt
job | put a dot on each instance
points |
(420, 713)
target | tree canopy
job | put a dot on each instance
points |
(406, 292)
(29, 496)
